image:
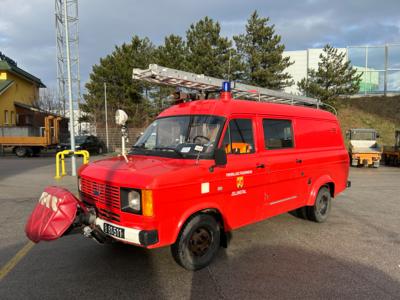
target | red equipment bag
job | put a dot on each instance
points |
(53, 215)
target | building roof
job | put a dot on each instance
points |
(11, 66)
(35, 109)
(5, 84)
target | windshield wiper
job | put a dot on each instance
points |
(169, 148)
(140, 146)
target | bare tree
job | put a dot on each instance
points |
(48, 101)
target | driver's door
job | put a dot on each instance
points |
(243, 184)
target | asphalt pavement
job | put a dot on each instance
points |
(354, 255)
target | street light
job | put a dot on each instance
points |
(105, 109)
(71, 107)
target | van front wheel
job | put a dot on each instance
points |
(197, 243)
(320, 210)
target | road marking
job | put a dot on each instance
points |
(15, 260)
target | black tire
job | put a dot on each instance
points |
(197, 243)
(21, 151)
(319, 212)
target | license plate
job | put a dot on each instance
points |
(114, 231)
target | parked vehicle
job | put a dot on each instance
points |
(391, 154)
(200, 170)
(363, 147)
(27, 141)
(84, 142)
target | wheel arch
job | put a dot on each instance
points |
(211, 209)
(325, 180)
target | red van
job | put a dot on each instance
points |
(206, 167)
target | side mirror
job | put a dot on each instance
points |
(220, 157)
(121, 117)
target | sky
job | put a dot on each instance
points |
(27, 28)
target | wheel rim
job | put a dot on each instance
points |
(20, 151)
(200, 242)
(323, 204)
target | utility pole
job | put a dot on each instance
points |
(71, 106)
(105, 109)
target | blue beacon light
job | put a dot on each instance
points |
(226, 86)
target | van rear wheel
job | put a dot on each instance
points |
(197, 243)
(320, 210)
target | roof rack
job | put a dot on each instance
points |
(171, 77)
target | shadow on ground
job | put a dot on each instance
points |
(57, 270)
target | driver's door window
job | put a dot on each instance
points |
(239, 138)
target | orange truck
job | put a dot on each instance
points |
(363, 147)
(25, 142)
(391, 154)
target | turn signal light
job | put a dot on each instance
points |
(147, 203)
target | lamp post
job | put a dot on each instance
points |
(71, 107)
(105, 110)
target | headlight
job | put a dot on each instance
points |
(79, 184)
(131, 201)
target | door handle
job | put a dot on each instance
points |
(260, 166)
(299, 161)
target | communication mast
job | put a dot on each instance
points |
(62, 69)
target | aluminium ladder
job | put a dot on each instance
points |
(171, 77)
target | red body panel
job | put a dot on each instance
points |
(290, 179)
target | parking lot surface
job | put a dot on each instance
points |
(354, 255)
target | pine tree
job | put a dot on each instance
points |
(335, 76)
(261, 53)
(173, 53)
(122, 93)
(208, 52)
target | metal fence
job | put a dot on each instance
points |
(380, 66)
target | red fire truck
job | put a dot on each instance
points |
(202, 169)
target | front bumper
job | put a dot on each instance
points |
(132, 236)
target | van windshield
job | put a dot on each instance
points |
(181, 136)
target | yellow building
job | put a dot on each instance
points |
(17, 88)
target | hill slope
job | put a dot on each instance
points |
(381, 113)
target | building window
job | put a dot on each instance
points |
(6, 117)
(239, 137)
(12, 121)
(278, 134)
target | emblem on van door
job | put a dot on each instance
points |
(240, 182)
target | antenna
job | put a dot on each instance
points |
(61, 43)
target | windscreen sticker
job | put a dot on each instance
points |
(205, 187)
(185, 149)
(232, 174)
(198, 148)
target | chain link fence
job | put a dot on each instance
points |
(114, 137)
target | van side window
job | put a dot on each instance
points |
(278, 134)
(239, 138)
